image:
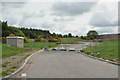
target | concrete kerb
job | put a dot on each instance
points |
(100, 59)
(25, 62)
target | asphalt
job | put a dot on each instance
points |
(69, 64)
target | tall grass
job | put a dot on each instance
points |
(11, 51)
(8, 51)
(111, 49)
(70, 40)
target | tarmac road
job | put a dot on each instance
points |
(69, 64)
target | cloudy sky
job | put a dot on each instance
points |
(76, 17)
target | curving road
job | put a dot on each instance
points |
(69, 64)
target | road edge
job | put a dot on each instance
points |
(25, 62)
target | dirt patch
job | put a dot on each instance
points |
(11, 64)
(26, 68)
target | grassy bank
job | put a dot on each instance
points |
(112, 49)
(11, 51)
(70, 40)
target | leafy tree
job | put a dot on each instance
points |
(70, 35)
(60, 35)
(76, 36)
(65, 36)
(92, 33)
(7, 30)
(28, 32)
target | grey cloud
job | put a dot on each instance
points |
(13, 4)
(41, 14)
(14, 0)
(11, 11)
(111, 30)
(26, 22)
(71, 8)
(102, 20)
(0, 10)
(10, 20)
(27, 14)
(11, 16)
(105, 15)
(47, 25)
(62, 19)
(29, 22)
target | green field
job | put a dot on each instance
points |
(70, 40)
(39, 45)
(112, 49)
(11, 51)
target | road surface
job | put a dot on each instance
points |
(69, 64)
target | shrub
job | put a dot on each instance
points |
(3, 39)
(91, 37)
(11, 35)
(25, 40)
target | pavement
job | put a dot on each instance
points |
(69, 64)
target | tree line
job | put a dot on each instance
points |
(29, 32)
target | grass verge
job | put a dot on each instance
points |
(11, 51)
(70, 40)
(111, 50)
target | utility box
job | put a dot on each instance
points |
(15, 41)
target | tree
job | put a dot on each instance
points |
(65, 36)
(92, 33)
(60, 35)
(76, 36)
(69, 35)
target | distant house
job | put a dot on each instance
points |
(109, 36)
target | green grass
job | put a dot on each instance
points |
(112, 49)
(0, 50)
(13, 67)
(11, 51)
(6, 72)
(70, 40)
(39, 45)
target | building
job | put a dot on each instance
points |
(15, 41)
(109, 36)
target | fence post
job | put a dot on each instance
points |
(97, 46)
(31, 44)
(46, 44)
(82, 46)
(105, 49)
(90, 45)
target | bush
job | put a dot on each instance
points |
(11, 35)
(91, 37)
(85, 38)
(3, 39)
(25, 40)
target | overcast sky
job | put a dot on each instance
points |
(63, 17)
